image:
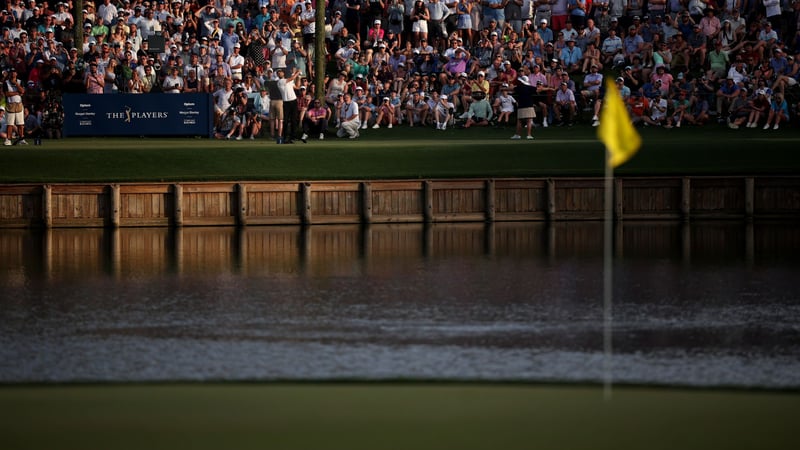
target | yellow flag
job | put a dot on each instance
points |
(616, 131)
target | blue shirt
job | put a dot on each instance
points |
(491, 13)
(571, 56)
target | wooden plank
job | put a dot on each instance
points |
(78, 223)
(399, 218)
(518, 217)
(273, 187)
(326, 219)
(209, 187)
(20, 189)
(466, 217)
(520, 184)
(78, 189)
(396, 185)
(457, 184)
(334, 187)
(273, 220)
(209, 221)
(144, 188)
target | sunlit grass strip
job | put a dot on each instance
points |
(393, 416)
(399, 154)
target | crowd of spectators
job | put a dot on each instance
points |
(414, 63)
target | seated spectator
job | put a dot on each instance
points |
(386, 114)
(680, 107)
(442, 112)
(416, 109)
(479, 113)
(657, 113)
(565, 108)
(698, 112)
(315, 121)
(504, 106)
(778, 112)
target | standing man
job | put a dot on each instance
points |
(524, 94)
(15, 117)
(348, 114)
(290, 112)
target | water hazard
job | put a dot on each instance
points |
(702, 304)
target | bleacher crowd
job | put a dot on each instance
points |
(429, 63)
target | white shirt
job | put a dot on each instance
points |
(287, 90)
(350, 110)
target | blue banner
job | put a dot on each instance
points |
(138, 115)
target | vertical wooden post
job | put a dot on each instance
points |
(242, 203)
(551, 199)
(178, 199)
(686, 198)
(427, 202)
(115, 206)
(749, 197)
(305, 203)
(618, 199)
(366, 202)
(490, 200)
(47, 206)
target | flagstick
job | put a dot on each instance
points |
(607, 281)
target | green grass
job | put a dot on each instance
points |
(402, 153)
(391, 416)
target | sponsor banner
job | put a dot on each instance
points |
(138, 115)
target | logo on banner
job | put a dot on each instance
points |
(128, 115)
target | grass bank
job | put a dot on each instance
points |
(401, 153)
(387, 416)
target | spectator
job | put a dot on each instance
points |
(503, 106)
(173, 83)
(349, 118)
(657, 113)
(416, 109)
(565, 107)
(778, 112)
(386, 114)
(479, 113)
(33, 126)
(442, 112)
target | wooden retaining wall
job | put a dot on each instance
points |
(327, 202)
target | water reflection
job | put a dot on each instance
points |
(700, 304)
